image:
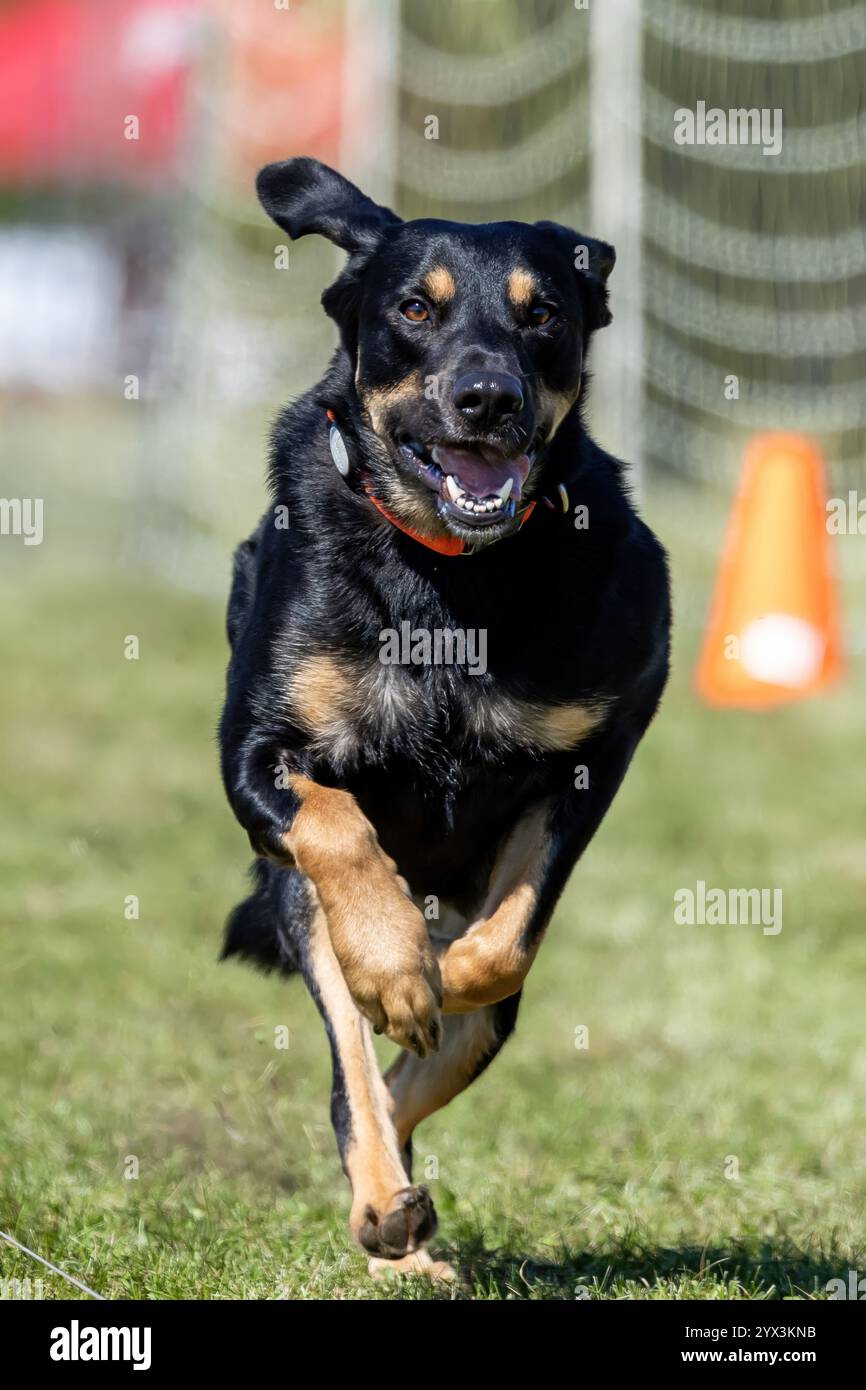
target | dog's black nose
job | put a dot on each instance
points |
(488, 398)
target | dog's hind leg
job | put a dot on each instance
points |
(390, 1218)
(418, 1088)
(470, 1043)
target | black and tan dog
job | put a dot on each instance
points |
(415, 815)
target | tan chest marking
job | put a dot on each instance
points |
(344, 703)
(320, 693)
(532, 724)
(559, 727)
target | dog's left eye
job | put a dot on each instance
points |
(540, 314)
(415, 310)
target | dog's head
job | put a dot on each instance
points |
(468, 344)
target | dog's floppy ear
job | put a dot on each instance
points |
(593, 260)
(303, 196)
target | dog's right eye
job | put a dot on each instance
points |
(415, 310)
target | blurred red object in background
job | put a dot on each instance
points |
(283, 84)
(72, 72)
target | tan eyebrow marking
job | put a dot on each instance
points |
(440, 284)
(522, 287)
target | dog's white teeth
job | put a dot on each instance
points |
(505, 491)
(469, 503)
(434, 453)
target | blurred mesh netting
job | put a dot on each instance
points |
(738, 296)
(753, 265)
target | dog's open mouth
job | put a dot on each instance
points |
(475, 484)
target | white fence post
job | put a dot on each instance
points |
(616, 399)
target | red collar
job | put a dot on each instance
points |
(443, 545)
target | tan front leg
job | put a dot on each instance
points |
(491, 960)
(391, 1219)
(379, 937)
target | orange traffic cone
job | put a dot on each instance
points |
(773, 631)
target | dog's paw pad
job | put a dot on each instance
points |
(404, 1225)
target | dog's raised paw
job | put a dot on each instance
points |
(404, 1225)
(410, 1011)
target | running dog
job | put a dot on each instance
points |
(416, 813)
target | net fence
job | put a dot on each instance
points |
(739, 306)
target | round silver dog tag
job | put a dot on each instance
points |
(338, 451)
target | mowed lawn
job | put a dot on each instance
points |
(707, 1143)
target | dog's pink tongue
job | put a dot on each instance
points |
(483, 472)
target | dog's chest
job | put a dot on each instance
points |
(355, 710)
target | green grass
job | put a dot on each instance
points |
(562, 1169)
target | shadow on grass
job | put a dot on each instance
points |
(766, 1271)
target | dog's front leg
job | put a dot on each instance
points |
(391, 1218)
(492, 959)
(379, 937)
